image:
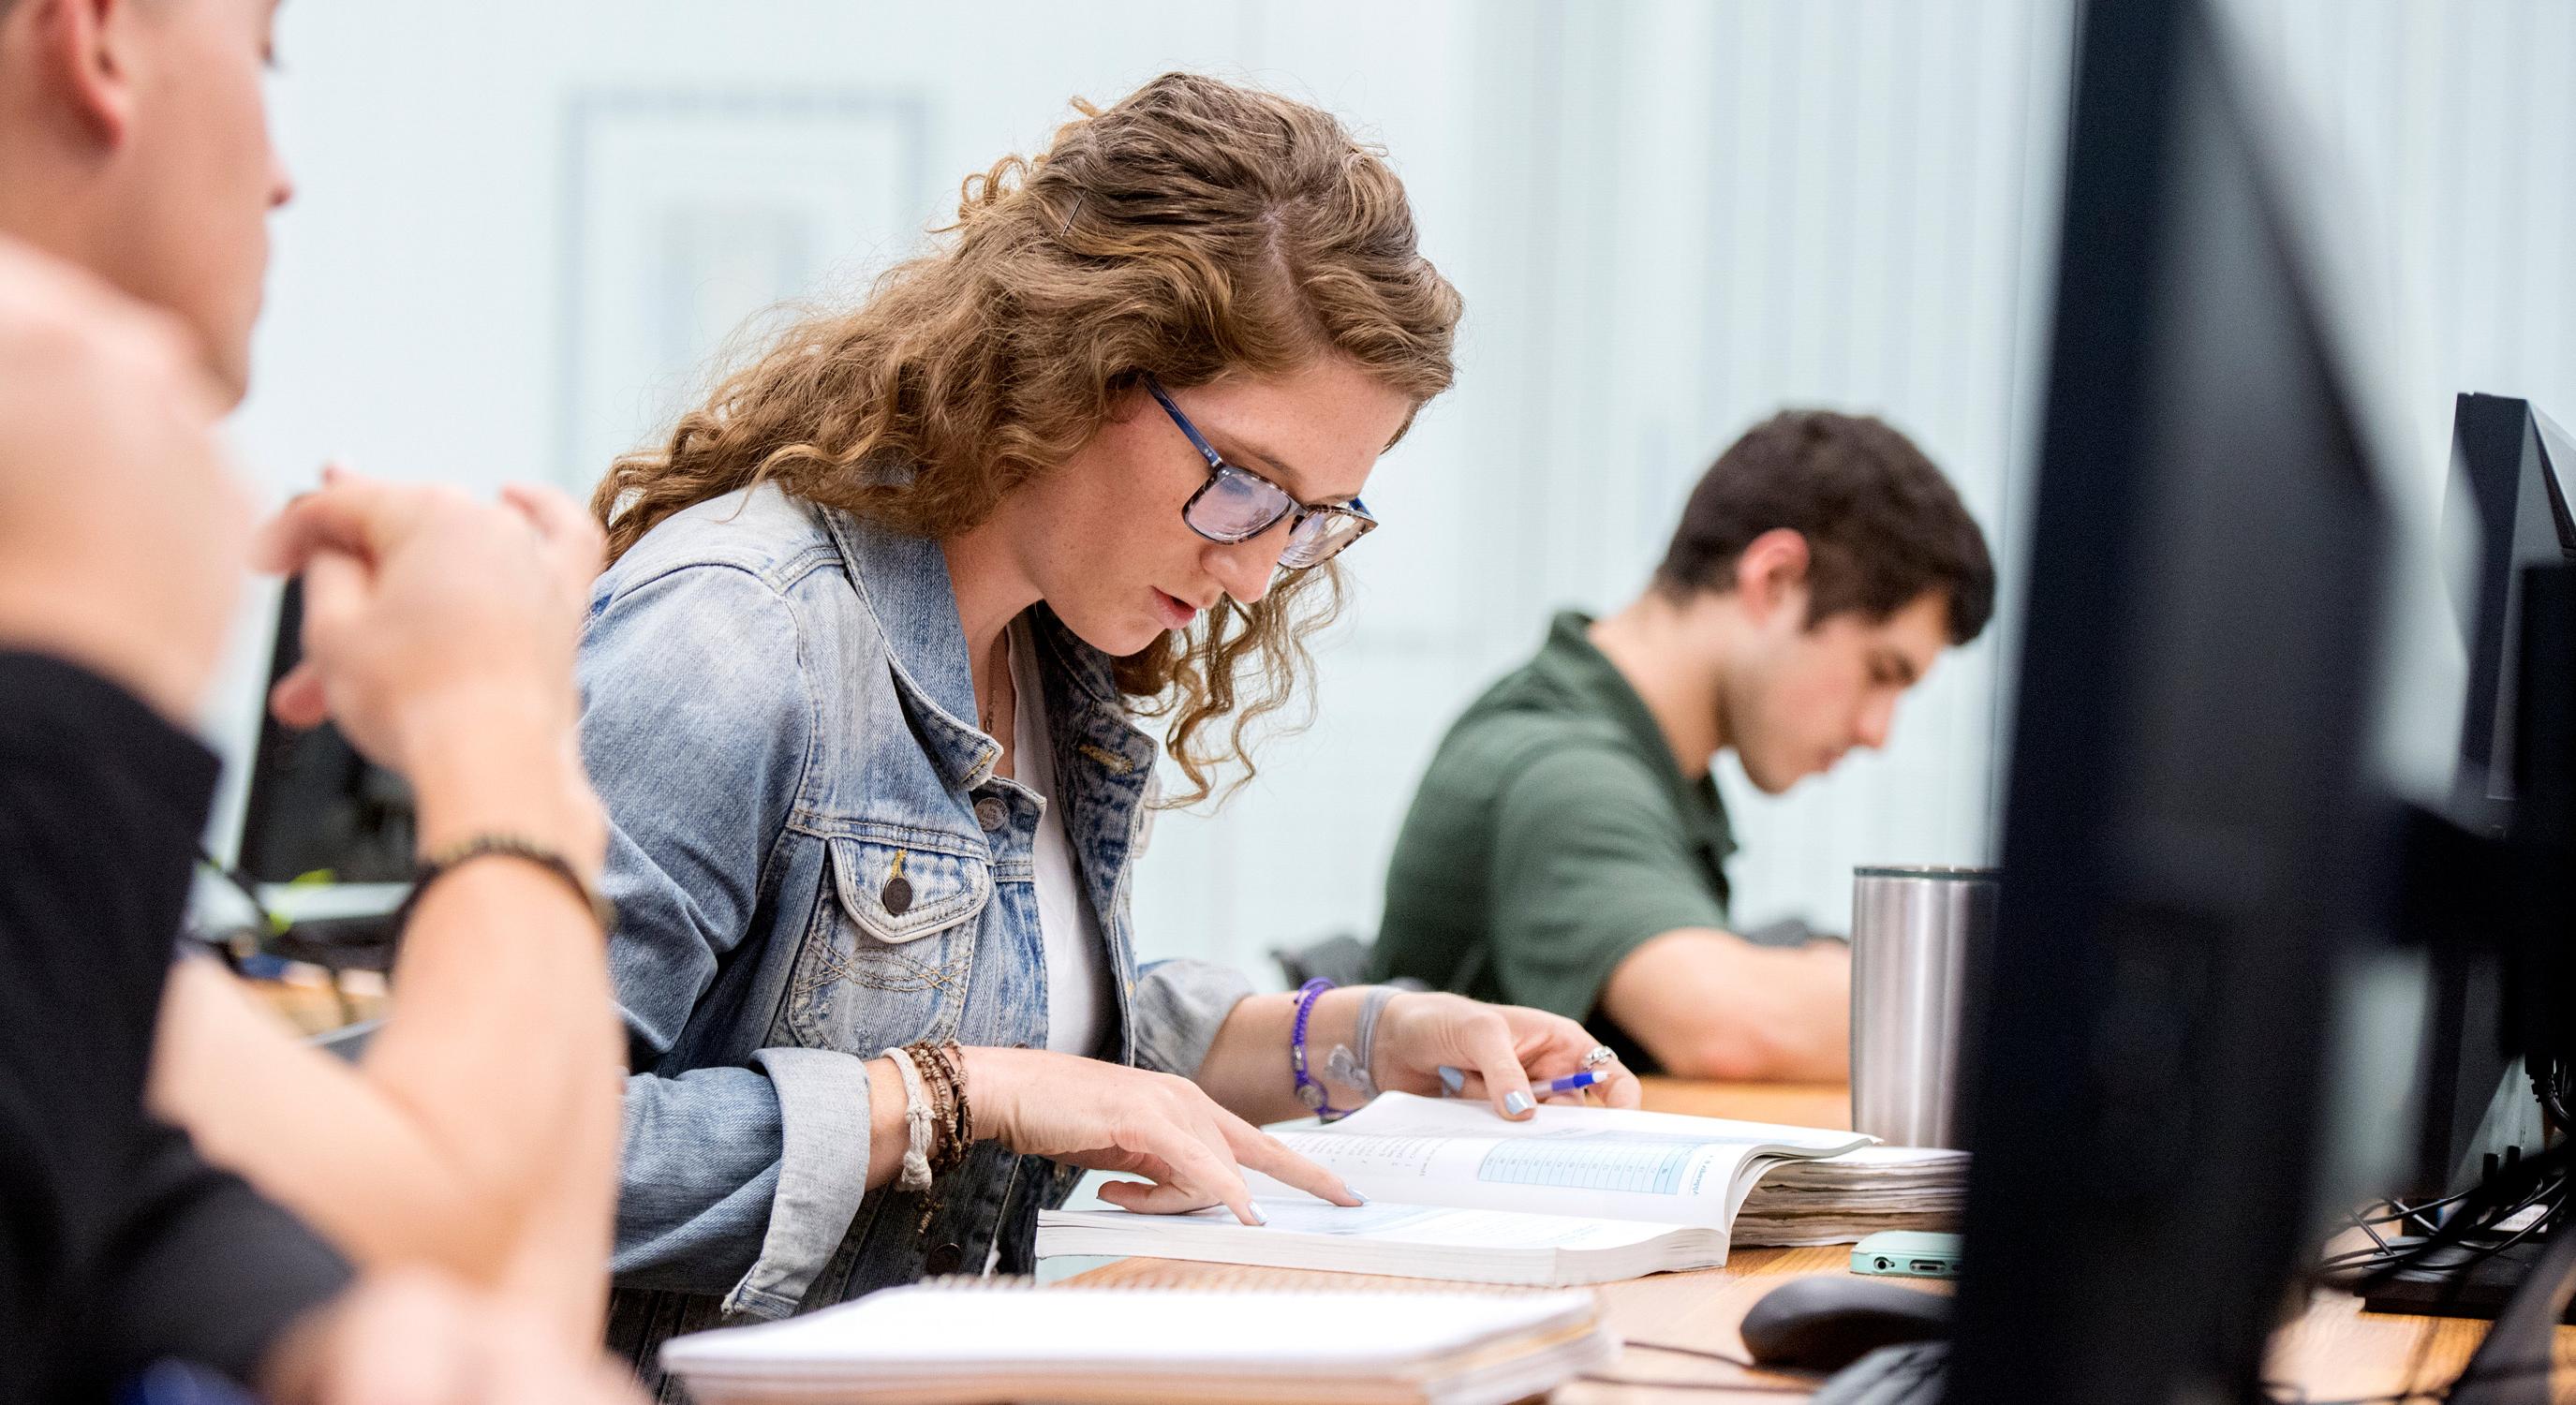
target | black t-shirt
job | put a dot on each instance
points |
(119, 1246)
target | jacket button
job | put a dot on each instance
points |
(991, 813)
(943, 1260)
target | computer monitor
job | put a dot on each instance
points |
(2507, 496)
(317, 810)
(2516, 747)
(2194, 843)
(2540, 994)
(2509, 472)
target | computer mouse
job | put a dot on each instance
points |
(1826, 1322)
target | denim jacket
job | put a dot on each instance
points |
(777, 714)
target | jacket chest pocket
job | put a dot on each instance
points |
(892, 944)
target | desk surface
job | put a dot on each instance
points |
(2335, 1350)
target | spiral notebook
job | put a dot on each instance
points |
(950, 1342)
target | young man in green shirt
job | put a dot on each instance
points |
(1567, 848)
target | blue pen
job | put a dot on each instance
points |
(1453, 1079)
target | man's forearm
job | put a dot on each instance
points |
(1788, 1021)
(502, 965)
(1709, 1004)
(480, 1134)
(503, 1044)
(503, 766)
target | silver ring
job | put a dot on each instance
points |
(1601, 1054)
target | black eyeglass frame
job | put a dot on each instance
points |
(1352, 511)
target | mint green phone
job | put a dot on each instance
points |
(1908, 1253)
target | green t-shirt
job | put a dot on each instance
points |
(1552, 836)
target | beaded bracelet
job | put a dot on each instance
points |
(955, 1059)
(439, 863)
(947, 1119)
(1310, 1092)
(956, 1115)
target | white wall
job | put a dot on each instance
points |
(519, 226)
(2452, 128)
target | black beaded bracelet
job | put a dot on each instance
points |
(445, 861)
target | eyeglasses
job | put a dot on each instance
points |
(1237, 504)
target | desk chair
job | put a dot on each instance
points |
(1341, 958)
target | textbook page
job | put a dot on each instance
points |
(1597, 1163)
(1430, 1226)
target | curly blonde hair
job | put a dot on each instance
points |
(1196, 230)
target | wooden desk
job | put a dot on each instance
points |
(2334, 1351)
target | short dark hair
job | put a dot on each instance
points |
(1882, 525)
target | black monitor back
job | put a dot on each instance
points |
(2189, 843)
(2509, 467)
(2512, 464)
(317, 809)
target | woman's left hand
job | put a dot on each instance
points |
(1501, 1050)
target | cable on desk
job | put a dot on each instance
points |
(2478, 1243)
(2473, 1230)
(2467, 1226)
(2534, 1179)
(1729, 1358)
(1704, 1354)
(2550, 1081)
(2552, 1195)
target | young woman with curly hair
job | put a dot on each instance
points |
(863, 686)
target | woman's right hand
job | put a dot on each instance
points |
(1107, 1117)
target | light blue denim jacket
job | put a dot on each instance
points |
(776, 711)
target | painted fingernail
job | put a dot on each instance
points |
(1355, 1195)
(1516, 1103)
(1452, 1080)
(1258, 1217)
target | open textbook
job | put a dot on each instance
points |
(1573, 1195)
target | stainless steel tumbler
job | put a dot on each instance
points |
(1913, 930)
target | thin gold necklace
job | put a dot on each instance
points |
(998, 672)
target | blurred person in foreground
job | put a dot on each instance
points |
(1567, 848)
(479, 1135)
(128, 1265)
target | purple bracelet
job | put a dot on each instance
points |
(1310, 1092)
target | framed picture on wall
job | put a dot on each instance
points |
(690, 216)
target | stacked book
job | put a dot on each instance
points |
(1847, 1198)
